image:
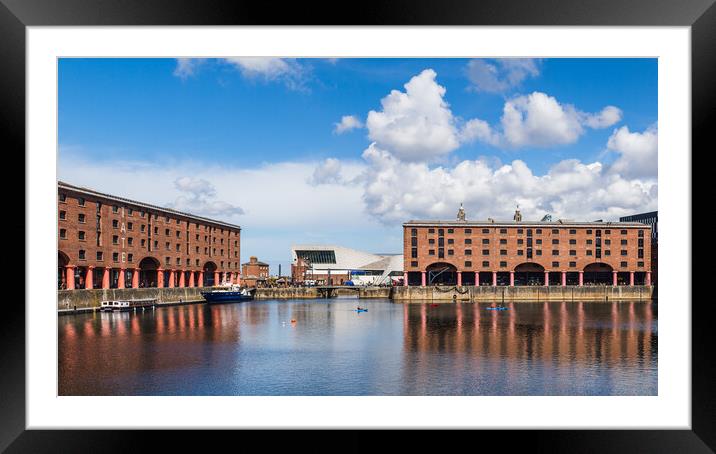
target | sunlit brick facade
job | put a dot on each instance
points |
(254, 273)
(526, 253)
(652, 219)
(105, 241)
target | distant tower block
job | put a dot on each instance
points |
(461, 213)
(518, 216)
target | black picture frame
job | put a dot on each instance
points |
(700, 15)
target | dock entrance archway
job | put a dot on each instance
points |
(441, 274)
(529, 274)
(209, 269)
(598, 274)
(148, 272)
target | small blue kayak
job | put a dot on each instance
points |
(496, 308)
(361, 310)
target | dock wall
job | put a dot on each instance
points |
(312, 292)
(531, 293)
(87, 299)
(376, 292)
(286, 293)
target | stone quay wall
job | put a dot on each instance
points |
(89, 299)
(71, 300)
(312, 292)
(523, 293)
(376, 292)
(286, 293)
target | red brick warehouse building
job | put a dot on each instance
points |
(105, 241)
(520, 252)
(254, 272)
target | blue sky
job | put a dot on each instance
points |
(215, 136)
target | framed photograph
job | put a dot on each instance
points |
(475, 217)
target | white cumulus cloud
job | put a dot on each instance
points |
(416, 124)
(637, 152)
(197, 186)
(199, 196)
(539, 120)
(396, 191)
(327, 172)
(288, 71)
(477, 129)
(498, 75)
(347, 123)
(265, 66)
(607, 117)
(187, 67)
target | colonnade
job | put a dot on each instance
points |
(563, 280)
(177, 278)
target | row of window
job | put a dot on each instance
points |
(486, 264)
(130, 242)
(82, 255)
(589, 252)
(414, 232)
(520, 241)
(130, 227)
(115, 209)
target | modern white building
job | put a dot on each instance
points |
(334, 265)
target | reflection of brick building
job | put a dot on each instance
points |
(521, 252)
(651, 219)
(107, 241)
(254, 273)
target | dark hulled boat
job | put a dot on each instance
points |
(233, 294)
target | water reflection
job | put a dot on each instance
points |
(531, 349)
(122, 348)
(254, 348)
